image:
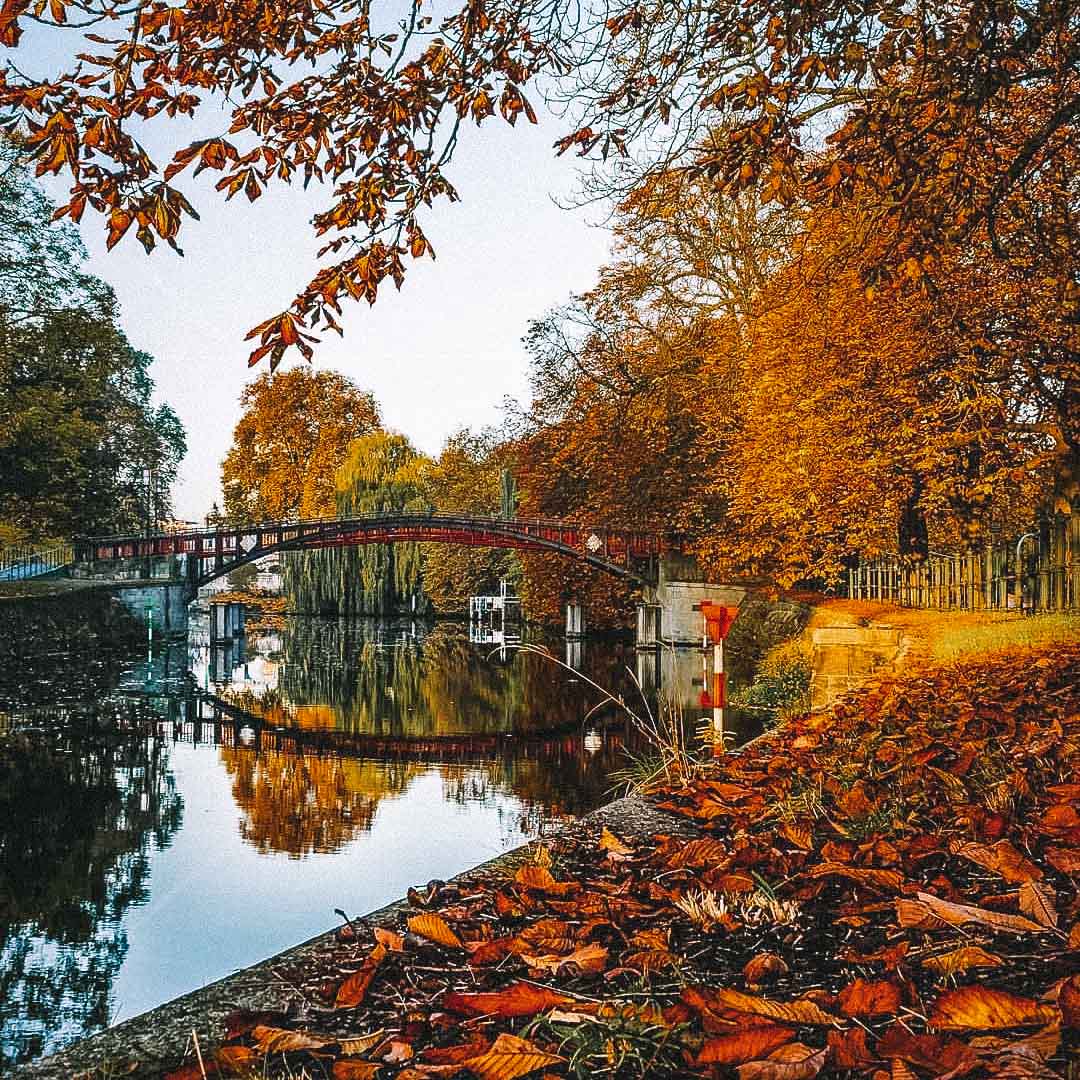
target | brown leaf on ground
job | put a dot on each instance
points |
(927, 912)
(888, 880)
(764, 966)
(792, 1062)
(434, 928)
(849, 1048)
(490, 952)
(1002, 858)
(518, 999)
(362, 1043)
(586, 960)
(957, 961)
(746, 1044)
(389, 939)
(275, 1040)
(980, 1008)
(1065, 860)
(610, 842)
(790, 1012)
(546, 936)
(797, 834)
(937, 1053)
(539, 879)
(352, 991)
(235, 1060)
(863, 998)
(355, 1070)
(511, 1057)
(1069, 1002)
(1037, 900)
(1043, 1044)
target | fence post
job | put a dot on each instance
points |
(1073, 601)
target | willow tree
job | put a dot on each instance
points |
(382, 473)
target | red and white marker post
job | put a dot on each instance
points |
(717, 619)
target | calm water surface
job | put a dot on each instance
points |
(169, 814)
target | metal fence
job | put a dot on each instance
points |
(21, 563)
(1036, 572)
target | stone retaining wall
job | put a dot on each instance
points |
(846, 657)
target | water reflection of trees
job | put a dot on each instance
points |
(84, 799)
(376, 679)
(33, 635)
(299, 800)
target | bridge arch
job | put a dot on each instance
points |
(212, 553)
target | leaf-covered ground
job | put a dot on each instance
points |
(889, 891)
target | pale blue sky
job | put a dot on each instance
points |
(441, 354)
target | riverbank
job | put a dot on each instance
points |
(890, 885)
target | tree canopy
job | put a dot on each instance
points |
(83, 447)
(952, 117)
(292, 437)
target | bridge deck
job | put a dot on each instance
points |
(215, 550)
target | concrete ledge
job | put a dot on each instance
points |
(154, 1042)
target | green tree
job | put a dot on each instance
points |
(78, 427)
(382, 473)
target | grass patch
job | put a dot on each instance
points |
(782, 682)
(989, 637)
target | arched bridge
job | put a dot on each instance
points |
(210, 553)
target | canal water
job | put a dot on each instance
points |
(172, 812)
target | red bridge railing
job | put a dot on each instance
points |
(213, 551)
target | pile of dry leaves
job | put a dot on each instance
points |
(890, 892)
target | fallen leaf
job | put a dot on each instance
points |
(890, 880)
(587, 960)
(791, 1012)
(799, 835)
(361, 1044)
(865, 998)
(489, 952)
(235, 1059)
(539, 878)
(1043, 1044)
(355, 1070)
(274, 1040)
(980, 1008)
(928, 912)
(511, 1057)
(747, 1044)
(397, 1052)
(610, 842)
(1066, 860)
(937, 1053)
(1002, 858)
(518, 999)
(351, 992)
(805, 1066)
(764, 966)
(960, 960)
(1069, 1002)
(391, 941)
(434, 928)
(1037, 900)
(849, 1048)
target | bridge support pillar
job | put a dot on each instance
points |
(671, 611)
(575, 620)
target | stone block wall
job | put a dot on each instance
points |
(846, 657)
